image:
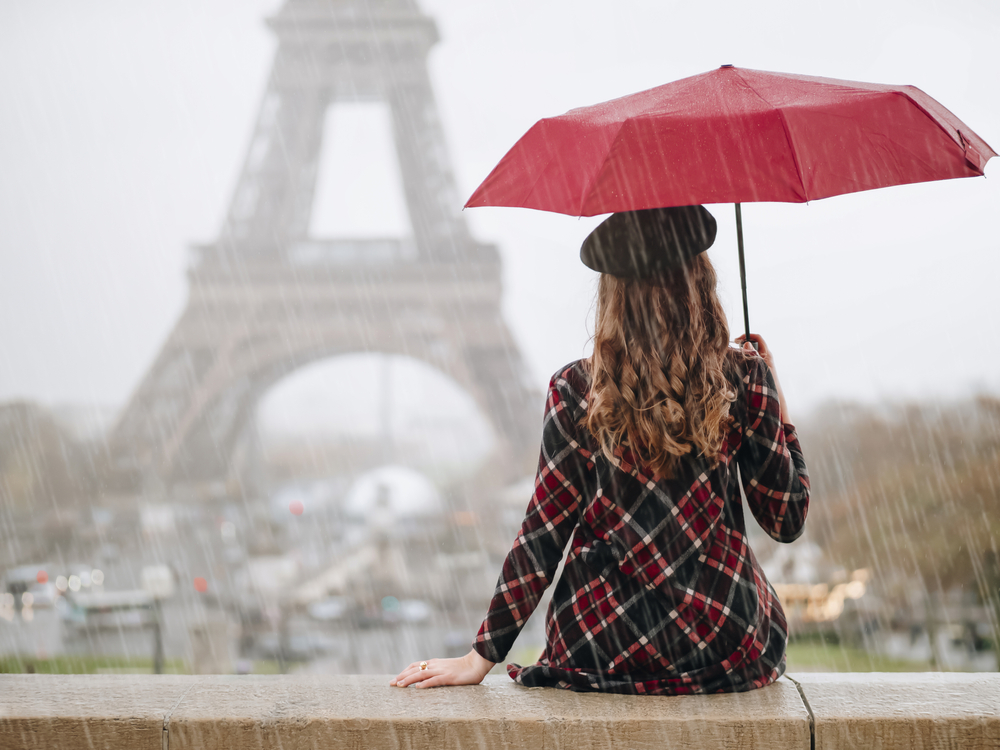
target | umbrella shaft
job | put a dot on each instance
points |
(743, 271)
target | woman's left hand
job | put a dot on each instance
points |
(466, 670)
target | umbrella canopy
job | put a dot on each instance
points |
(733, 135)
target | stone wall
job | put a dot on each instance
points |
(119, 712)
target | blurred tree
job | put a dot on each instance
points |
(41, 468)
(913, 493)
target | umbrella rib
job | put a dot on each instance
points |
(538, 178)
(795, 156)
(788, 135)
(947, 128)
(600, 169)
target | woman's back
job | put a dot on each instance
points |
(660, 592)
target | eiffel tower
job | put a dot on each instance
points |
(266, 298)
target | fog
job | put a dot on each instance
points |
(333, 464)
(124, 127)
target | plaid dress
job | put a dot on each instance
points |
(660, 592)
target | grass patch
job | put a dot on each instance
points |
(816, 656)
(524, 656)
(804, 655)
(19, 664)
(272, 666)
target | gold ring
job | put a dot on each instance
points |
(423, 666)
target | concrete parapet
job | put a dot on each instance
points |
(66, 712)
(115, 712)
(923, 710)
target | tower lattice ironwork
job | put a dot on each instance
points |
(266, 298)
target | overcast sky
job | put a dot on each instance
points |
(123, 125)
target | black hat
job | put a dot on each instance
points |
(649, 242)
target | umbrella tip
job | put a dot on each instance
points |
(727, 65)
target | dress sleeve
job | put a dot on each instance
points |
(772, 468)
(564, 469)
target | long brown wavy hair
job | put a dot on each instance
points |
(659, 383)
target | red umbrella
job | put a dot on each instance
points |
(733, 135)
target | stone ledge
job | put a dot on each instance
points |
(922, 710)
(116, 712)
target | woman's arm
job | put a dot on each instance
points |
(563, 473)
(770, 459)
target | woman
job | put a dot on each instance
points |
(660, 592)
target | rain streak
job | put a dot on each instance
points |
(306, 444)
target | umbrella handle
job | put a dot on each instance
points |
(743, 274)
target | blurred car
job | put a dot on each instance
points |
(415, 610)
(299, 647)
(43, 595)
(18, 581)
(331, 608)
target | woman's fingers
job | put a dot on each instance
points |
(435, 681)
(402, 675)
(410, 676)
(755, 338)
(414, 673)
(417, 664)
(418, 675)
